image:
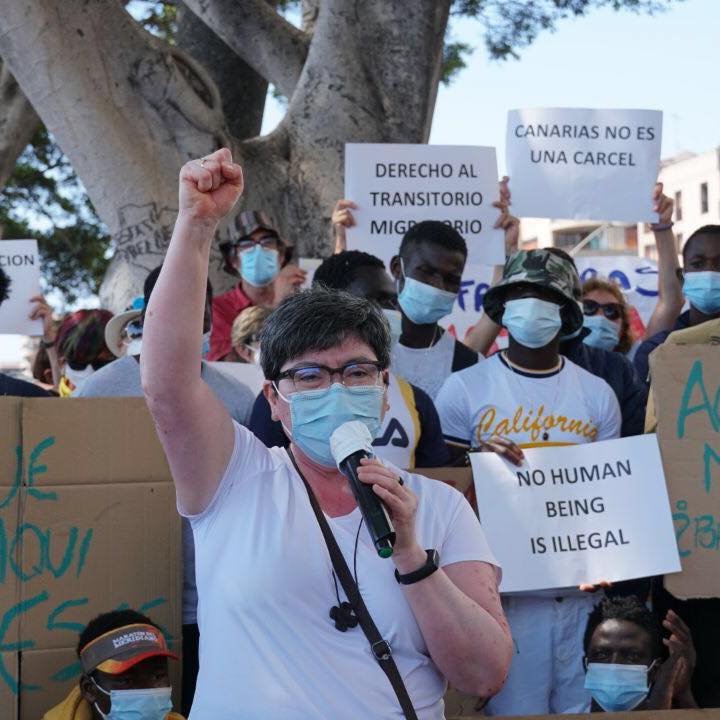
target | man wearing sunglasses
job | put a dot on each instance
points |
(260, 258)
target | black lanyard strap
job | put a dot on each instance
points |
(381, 650)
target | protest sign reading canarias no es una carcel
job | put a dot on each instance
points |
(583, 164)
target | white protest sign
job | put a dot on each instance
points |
(21, 262)
(577, 514)
(583, 164)
(637, 277)
(397, 186)
(309, 265)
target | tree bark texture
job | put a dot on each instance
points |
(18, 123)
(128, 109)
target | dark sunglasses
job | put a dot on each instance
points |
(612, 311)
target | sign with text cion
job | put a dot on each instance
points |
(396, 186)
(19, 259)
(583, 164)
(577, 514)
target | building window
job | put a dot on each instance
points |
(651, 252)
(703, 198)
(678, 205)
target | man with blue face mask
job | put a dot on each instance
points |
(531, 396)
(623, 658)
(261, 259)
(700, 278)
(124, 660)
(428, 270)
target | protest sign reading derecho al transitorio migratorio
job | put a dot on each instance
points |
(577, 514)
(19, 260)
(396, 186)
(688, 414)
(583, 164)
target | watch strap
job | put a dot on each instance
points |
(431, 565)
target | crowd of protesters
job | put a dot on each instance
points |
(365, 343)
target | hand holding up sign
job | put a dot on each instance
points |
(507, 222)
(342, 218)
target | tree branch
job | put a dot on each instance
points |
(271, 45)
(18, 122)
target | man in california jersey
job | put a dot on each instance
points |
(530, 396)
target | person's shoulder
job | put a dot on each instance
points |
(11, 386)
(234, 299)
(437, 494)
(222, 382)
(590, 381)
(104, 382)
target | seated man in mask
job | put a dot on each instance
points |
(124, 660)
(623, 659)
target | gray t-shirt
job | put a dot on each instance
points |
(121, 378)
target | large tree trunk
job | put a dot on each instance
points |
(18, 123)
(128, 110)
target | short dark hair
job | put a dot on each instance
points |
(712, 230)
(318, 319)
(629, 608)
(432, 232)
(5, 283)
(111, 621)
(151, 279)
(340, 270)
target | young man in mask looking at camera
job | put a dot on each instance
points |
(530, 396)
(428, 270)
(623, 663)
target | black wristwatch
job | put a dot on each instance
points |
(431, 565)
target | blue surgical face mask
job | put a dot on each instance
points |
(424, 304)
(316, 414)
(702, 289)
(532, 322)
(604, 333)
(259, 266)
(394, 318)
(617, 688)
(206, 344)
(148, 704)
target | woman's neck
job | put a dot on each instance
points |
(261, 296)
(330, 486)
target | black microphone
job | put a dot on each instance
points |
(348, 444)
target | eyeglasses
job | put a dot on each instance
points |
(270, 242)
(317, 377)
(612, 311)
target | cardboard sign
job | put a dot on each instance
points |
(397, 186)
(583, 164)
(21, 261)
(577, 514)
(87, 524)
(688, 413)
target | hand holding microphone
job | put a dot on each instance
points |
(371, 482)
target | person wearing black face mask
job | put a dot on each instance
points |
(623, 659)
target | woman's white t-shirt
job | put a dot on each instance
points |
(268, 648)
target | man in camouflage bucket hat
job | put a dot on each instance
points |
(540, 267)
(530, 396)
